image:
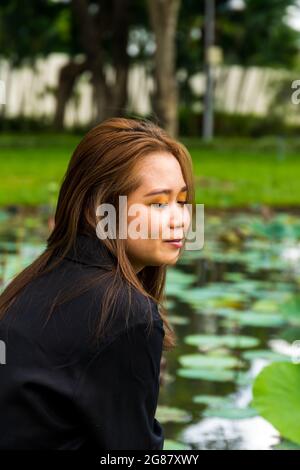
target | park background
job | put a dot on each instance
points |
(222, 77)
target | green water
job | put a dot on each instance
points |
(232, 305)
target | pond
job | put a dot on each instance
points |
(234, 306)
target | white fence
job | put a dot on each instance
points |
(30, 91)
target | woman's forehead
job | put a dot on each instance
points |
(161, 170)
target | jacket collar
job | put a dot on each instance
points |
(90, 250)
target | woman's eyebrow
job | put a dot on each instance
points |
(165, 191)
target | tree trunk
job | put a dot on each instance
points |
(101, 94)
(113, 19)
(163, 18)
(67, 78)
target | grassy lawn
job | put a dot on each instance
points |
(244, 172)
(228, 172)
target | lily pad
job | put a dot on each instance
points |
(205, 361)
(234, 276)
(265, 354)
(243, 378)
(249, 318)
(215, 341)
(290, 334)
(198, 295)
(214, 375)
(230, 412)
(177, 276)
(4, 216)
(286, 445)
(211, 400)
(166, 414)
(276, 397)
(170, 303)
(179, 320)
(291, 310)
(265, 306)
(246, 317)
(170, 444)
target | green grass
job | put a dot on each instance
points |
(29, 165)
(228, 172)
(233, 173)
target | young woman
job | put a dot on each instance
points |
(84, 325)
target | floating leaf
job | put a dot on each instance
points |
(234, 277)
(166, 414)
(178, 320)
(204, 361)
(249, 318)
(177, 281)
(243, 378)
(265, 354)
(4, 216)
(290, 334)
(265, 306)
(286, 445)
(291, 310)
(217, 375)
(170, 304)
(170, 444)
(177, 276)
(276, 397)
(198, 295)
(214, 341)
(230, 412)
(211, 400)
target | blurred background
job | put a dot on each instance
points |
(223, 77)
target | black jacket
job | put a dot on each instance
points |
(58, 390)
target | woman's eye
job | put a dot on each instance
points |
(158, 204)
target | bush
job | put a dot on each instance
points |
(230, 125)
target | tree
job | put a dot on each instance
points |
(29, 30)
(258, 34)
(163, 17)
(103, 36)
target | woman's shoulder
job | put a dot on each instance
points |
(143, 306)
(128, 304)
(130, 313)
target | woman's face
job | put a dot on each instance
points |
(161, 209)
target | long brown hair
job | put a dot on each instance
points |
(102, 168)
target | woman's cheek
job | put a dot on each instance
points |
(186, 219)
(167, 230)
(152, 223)
(137, 218)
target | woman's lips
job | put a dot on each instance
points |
(176, 243)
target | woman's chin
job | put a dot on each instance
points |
(170, 260)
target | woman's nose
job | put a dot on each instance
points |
(177, 217)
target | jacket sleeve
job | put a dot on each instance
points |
(118, 391)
